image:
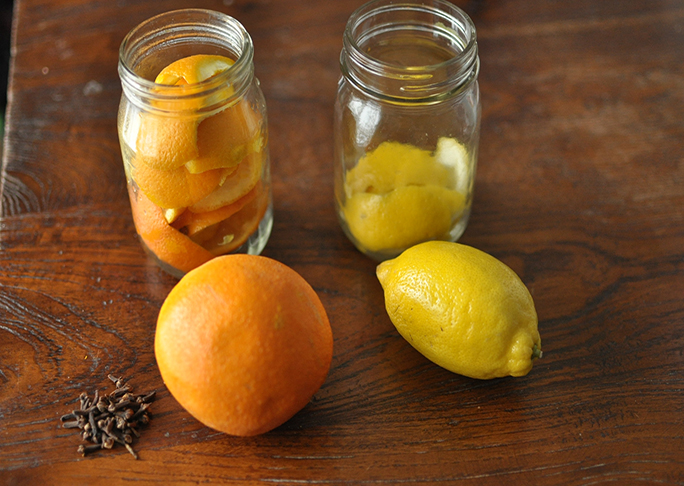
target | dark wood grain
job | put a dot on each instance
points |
(580, 189)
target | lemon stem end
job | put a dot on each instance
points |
(536, 352)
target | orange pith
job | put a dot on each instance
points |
(193, 69)
(243, 343)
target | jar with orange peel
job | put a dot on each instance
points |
(194, 139)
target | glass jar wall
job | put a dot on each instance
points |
(407, 119)
(194, 139)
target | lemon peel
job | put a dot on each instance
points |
(399, 195)
(395, 164)
(423, 212)
(462, 309)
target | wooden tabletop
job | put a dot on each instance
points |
(579, 188)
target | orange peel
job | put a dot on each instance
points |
(168, 245)
(196, 177)
(191, 223)
(175, 188)
(193, 69)
(233, 232)
(235, 186)
(168, 139)
(224, 139)
(166, 142)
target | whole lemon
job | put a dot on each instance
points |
(462, 309)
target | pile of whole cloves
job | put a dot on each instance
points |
(110, 419)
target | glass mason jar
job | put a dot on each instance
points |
(407, 123)
(195, 152)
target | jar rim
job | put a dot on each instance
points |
(361, 66)
(154, 28)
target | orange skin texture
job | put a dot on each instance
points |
(243, 343)
(227, 137)
(175, 188)
(166, 142)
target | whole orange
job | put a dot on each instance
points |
(243, 343)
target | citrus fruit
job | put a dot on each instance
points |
(226, 138)
(165, 141)
(198, 165)
(236, 185)
(462, 309)
(233, 232)
(243, 343)
(193, 69)
(171, 247)
(168, 136)
(399, 195)
(176, 188)
(403, 217)
(190, 222)
(394, 164)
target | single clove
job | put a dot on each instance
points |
(87, 449)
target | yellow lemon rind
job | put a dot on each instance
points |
(462, 309)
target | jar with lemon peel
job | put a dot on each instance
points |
(194, 139)
(407, 120)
